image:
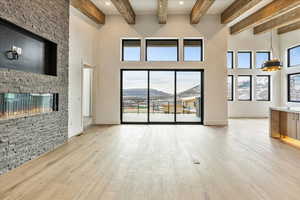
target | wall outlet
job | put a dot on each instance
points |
(17, 49)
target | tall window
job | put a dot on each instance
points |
(262, 88)
(294, 56)
(230, 59)
(162, 50)
(244, 60)
(294, 87)
(131, 50)
(193, 50)
(261, 57)
(230, 88)
(244, 88)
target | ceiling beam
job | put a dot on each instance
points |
(289, 28)
(125, 9)
(162, 11)
(236, 9)
(282, 20)
(200, 8)
(273, 9)
(89, 9)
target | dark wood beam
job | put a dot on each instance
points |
(236, 9)
(200, 8)
(162, 11)
(125, 9)
(271, 10)
(89, 9)
(289, 28)
(282, 20)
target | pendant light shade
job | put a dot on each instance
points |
(273, 64)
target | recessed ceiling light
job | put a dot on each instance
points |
(181, 2)
(107, 3)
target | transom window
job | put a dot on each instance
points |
(193, 50)
(294, 56)
(131, 50)
(230, 59)
(262, 57)
(162, 50)
(244, 60)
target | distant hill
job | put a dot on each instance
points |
(142, 93)
(194, 91)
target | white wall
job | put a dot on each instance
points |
(108, 71)
(83, 49)
(246, 40)
(287, 41)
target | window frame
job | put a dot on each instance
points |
(251, 98)
(251, 59)
(232, 87)
(202, 48)
(161, 39)
(269, 88)
(257, 52)
(288, 56)
(232, 59)
(289, 89)
(122, 49)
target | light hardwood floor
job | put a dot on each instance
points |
(137, 162)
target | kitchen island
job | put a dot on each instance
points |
(285, 124)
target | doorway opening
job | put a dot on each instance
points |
(87, 94)
(158, 96)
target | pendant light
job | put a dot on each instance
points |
(273, 64)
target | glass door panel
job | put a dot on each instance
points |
(161, 99)
(188, 96)
(135, 96)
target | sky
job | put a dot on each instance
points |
(244, 60)
(162, 54)
(295, 56)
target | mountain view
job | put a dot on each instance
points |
(142, 92)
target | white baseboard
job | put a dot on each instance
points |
(216, 123)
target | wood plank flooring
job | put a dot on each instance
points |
(159, 162)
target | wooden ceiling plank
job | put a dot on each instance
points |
(236, 9)
(162, 11)
(289, 28)
(125, 9)
(200, 8)
(89, 9)
(271, 10)
(285, 19)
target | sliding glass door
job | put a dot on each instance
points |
(188, 96)
(162, 89)
(161, 96)
(135, 96)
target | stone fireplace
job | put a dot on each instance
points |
(24, 137)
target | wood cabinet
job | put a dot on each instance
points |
(284, 123)
(292, 122)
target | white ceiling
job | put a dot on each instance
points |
(142, 7)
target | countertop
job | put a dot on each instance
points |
(287, 109)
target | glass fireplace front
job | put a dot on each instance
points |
(14, 105)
